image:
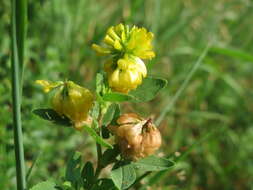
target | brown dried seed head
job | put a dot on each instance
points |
(136, 137)
(128, 118)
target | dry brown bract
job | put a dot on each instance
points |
(136, 137)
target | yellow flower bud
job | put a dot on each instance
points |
(136, 137)
(71, 100)
(126, 74)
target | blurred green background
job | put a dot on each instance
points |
(215, 112)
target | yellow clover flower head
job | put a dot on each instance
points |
(126, 74)
(70, 100)
(121, 40)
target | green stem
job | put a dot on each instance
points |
(99, 149)
(99, 167)
(17, 45)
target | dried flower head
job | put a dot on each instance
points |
(136, 137)
(70, 100)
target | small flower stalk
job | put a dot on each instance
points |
(128, 48)
(136, 137)
(70, 100)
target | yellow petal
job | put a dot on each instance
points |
(141, 66)
(117, 45)
(113, 34)
(108, 40)
(114, 78)
(119, 29)
(100, 50)
(48, 86)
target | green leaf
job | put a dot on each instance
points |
(109, 114)
(88, 175)
(45, 185)
(96, 137)
(117, 97)
(104, 184)
(109, 156)
(53, 116)
(123, 176)
(65, 186)
(148, 89)
(73, 170)
(153, 163)
(95, 125)
(116, 115)
(95, 111)
(145, 92)
(105, 132)
(99, 82)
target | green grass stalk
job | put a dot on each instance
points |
(17, 46)
(172, 101)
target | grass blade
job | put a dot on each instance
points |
(161, 174)
(17, 45)
(21, 23)
(32, 166)
(234, 53)
(172, 102)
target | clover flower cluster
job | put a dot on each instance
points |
(70, 100)
(127, 49)
(136, 137)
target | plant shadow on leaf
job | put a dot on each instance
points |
(53, 116)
